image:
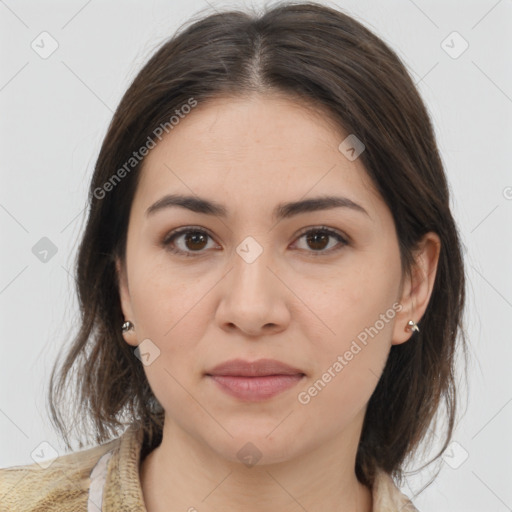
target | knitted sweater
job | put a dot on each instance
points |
(106, 478)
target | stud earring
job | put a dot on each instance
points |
(127, 326)
(413, 326)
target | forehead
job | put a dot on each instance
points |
(262, 147)
(245, 126)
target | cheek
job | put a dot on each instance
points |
(346, 373)
(164, 299)
(351, 343)
(345, 300)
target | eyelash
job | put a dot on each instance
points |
(170, 237)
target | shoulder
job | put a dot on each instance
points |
(387, 497)
(60, 484)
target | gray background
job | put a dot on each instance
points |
(55, 112)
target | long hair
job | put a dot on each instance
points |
(315, 54)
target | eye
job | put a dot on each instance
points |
(318, 239)
(196, 239)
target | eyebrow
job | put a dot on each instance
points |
(281, 211)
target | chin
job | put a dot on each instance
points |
(256, 447)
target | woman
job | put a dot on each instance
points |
(271, 280)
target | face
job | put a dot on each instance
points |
(319, 290)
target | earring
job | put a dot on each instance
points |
(413, 326)
(127, 326)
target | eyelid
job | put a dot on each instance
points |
(331, 231)
(185, 229)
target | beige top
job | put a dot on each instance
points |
(106, 478)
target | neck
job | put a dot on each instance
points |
(185, 474)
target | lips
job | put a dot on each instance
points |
(259, 368)
(254, 381)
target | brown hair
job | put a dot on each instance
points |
(315, 54)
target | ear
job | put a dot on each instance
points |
(126, 305)
(417, 289)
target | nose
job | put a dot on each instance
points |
(253, 298)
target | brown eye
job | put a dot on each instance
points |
(318, 239)
(187, 241)
(195, 240)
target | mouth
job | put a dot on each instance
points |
(255, 389)
(254, 381)
(259, 368)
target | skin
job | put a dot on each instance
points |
(293, 303)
